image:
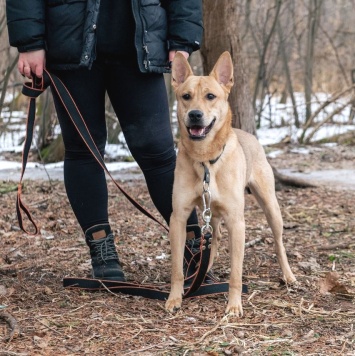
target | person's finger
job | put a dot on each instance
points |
(171, 55)
(20, 66)
(39, 70)
(185, 54)
(27, 70)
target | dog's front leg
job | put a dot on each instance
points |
(177, 237)
(236, 230)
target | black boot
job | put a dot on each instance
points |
(104, 257)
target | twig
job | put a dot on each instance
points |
(333, 247)
(15, 249)
(253, 242)
(48, 327)
(137, 333)
(300, 309)
(210, 331)
(275, 340)
(143, 349)
(108, 289)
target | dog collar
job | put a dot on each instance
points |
(213, 161)
(206, 177)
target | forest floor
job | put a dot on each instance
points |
(314, 317)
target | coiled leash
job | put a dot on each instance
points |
(201, 259)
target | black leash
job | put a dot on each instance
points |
(201, 259)
(196, 289)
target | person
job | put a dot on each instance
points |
(121, 48)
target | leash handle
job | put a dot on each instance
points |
(33, 90)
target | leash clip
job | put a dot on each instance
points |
(207, 213)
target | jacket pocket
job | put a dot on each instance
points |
(64, 30)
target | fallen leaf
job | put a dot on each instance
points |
(331, 284)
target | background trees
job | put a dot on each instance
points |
(293, 55)
(300, 53)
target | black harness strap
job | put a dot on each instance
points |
(201, 259)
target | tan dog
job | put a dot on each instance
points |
(235, 160)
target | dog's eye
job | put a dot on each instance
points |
(210, 96)
(186, 96)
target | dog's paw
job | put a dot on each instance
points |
(173, 304)
(290, 279)
(235, 310)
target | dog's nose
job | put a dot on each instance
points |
(195, 116)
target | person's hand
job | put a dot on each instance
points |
(33, 61)
(172, 55)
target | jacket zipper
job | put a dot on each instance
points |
(140, 30)
(145, 61)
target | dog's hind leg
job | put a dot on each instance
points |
(262, 185)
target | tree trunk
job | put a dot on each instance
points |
(261, 77)
(221, 34)
(313, 21)
(287, 73)
(352, 110)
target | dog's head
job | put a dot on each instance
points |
(202, 101)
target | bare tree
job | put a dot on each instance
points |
(261, 74)
(285, 61)
(312, 27)
(305, 136)
(352, 110)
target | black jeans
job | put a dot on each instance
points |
(140, 103)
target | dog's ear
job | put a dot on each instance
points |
(181, 70)
(223, 71)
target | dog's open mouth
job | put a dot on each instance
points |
(198, 132)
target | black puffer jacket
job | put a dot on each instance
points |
(66, 29)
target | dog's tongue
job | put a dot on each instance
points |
(197, 131)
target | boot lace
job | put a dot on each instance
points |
(104, 250)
